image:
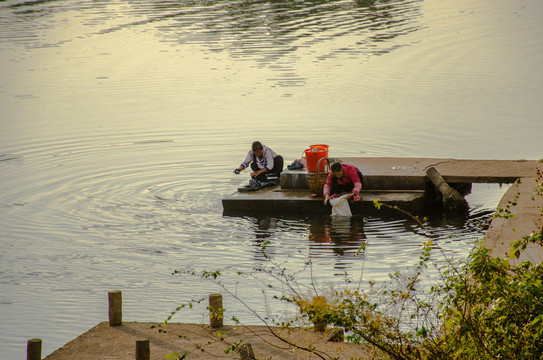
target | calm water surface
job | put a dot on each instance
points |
(121, 123)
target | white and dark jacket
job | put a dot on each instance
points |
(266, 161)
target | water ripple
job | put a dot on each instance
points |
(254, 30)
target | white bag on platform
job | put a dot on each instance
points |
(340, 206)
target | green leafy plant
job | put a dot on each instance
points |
(176, 356)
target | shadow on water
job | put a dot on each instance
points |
(340, 233)
(346, 236)
(9, 157)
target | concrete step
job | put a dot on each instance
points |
(398, 182)
(410, 173)
(297, 180)
(278, 201)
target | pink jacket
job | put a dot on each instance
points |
(349, 176)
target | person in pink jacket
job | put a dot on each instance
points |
(342, 178)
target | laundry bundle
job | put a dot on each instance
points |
(340, 206)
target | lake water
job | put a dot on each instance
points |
(121, 123)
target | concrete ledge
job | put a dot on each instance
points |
(410, 173)
(396, 181)
(294, 179)
(528, 218)
(202, 342)
(271, 201)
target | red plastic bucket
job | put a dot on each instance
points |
(320, 146)
(312, 156)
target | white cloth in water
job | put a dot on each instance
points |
(340, 206)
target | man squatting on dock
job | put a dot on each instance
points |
(264, 161)
(342, 178)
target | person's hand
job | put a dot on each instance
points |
(237, 171)
(326, 199)
(256, 173)
(355, 196)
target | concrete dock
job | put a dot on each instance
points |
(201, 342)
(398, 182)
(528, 219)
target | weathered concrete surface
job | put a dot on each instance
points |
(294, 179)
(274, 200)
(392, 180)
(528, 218)
(385, 173)
(201, 342)
(452, 170)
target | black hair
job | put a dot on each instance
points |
(256, 146)
(335, 188)
(336, 167)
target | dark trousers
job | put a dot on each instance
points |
(275, 171)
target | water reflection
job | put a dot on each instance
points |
(324, 235)
(346, 236)
(266, 31)
(322, 241)
(341, 234)
(264, 228)
(277, 34)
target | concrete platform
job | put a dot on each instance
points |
(527, 219)
(395, 181)
(201, 342)
(386, 173)
(277, 201)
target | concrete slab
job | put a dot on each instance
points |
(396, 181)
(527, 218)
(275, 200)
(453, 170)
(201, 342)
(386, 173)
